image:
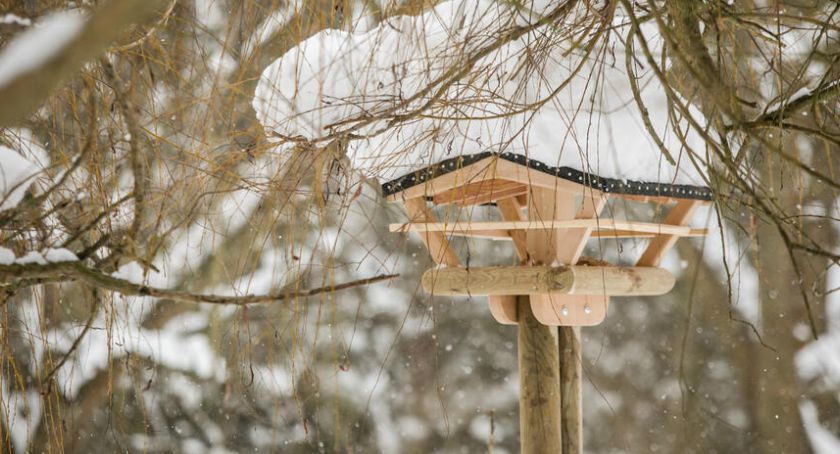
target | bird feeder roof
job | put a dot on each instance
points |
(584, 179)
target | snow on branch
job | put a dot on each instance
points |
(468, 77)
(43, 56)
(16, 174)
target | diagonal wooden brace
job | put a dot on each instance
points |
(680, 215)
(436, 242)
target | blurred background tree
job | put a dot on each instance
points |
(155, 170)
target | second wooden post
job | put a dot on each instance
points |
(571, 374)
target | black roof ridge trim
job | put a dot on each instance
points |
(607, 185)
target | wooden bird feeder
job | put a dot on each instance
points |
(549, 214)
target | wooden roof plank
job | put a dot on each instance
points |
(472, 173)
(481, 192)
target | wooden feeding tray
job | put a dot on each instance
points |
(548, 213)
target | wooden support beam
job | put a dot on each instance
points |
(500, 235)
(548, 211)
(561, 280)
(436, 242)
(680, 215)
(570, 249)
(539, 384)
(618, 234)
(503, 307)
(557, 309)
(505, 235)
(556, 224)
(512, 211)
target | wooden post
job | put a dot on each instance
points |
(539, 384)
(571, 377)
(547, 204)
(571, 369)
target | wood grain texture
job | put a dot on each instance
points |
(536, 179)
(569, 310)
(573, 310)
(570, 280)
(546, 205)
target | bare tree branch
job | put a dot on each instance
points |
(75, 271)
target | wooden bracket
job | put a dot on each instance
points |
(565, 247)
(570, 310)
(504, 309)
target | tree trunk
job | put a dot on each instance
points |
(782, 309)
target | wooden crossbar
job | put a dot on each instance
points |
(599, 225)
(505, 235)
(568, 280)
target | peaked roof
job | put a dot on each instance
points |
(607, 185)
